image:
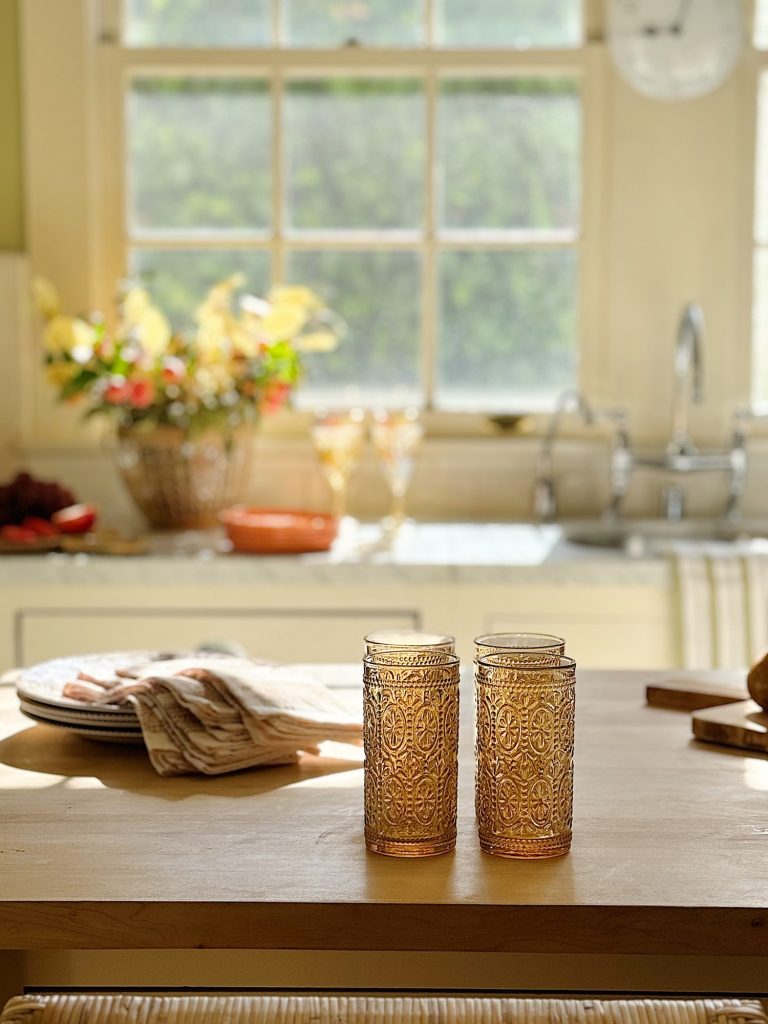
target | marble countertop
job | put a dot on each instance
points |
(424, 553)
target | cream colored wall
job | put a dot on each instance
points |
(679, 229)
(11, 224)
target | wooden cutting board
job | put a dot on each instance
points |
(742, 725)
(690, 694)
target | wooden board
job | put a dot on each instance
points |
(684, 693)
(743, 725)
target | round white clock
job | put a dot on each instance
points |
(675, 49)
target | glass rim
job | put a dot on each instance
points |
(549, 640)
(491, 661)
(449, 658)
(441, 639)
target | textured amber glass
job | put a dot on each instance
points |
(406, 639)
(524, 755)
(411, 735)
(521, 646)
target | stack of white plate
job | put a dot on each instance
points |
(40, 694)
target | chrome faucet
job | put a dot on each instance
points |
(681, 456)
(689, 378)
(544, 493)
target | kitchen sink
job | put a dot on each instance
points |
(651, 536)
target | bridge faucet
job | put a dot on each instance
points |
(689, 378)
(544, 494)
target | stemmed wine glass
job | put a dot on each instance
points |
(396, 435)
(338, 439)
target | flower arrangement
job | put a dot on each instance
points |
(241, 359)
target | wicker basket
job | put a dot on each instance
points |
(181, 481)
(323, 1008)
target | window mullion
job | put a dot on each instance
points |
(430, 23)
(429, 276)
(278, 177)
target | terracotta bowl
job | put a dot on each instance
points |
(278, 531)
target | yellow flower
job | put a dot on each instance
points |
(66, 333)
(316, 341)
(154, 332)
(219, 297)
(295, 295)
(283, 322)
(211, 340)
(134, 305)
(245, 342)
(46, 297)
(141, 318)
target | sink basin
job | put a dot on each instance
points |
(651, 536)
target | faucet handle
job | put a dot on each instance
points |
(544, 500)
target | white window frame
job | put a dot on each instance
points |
(75, 73)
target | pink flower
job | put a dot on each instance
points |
(118, 391)
(173, 369)
(142, 393)
(275, 395)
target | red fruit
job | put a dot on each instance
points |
(41, 527)
(18, 534)
(75, 518)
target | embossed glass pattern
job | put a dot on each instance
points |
(521, 647)
(411, 736)
(524, 756)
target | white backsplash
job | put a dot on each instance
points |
(488, 479)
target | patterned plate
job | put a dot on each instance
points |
(129, 720)
(91, 732)
(44, 683)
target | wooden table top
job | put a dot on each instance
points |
(670, 851)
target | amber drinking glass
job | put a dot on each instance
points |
(521, 647)
(411, 737)
(524, 755)
(396, 639)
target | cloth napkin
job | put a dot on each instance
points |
(218, 714)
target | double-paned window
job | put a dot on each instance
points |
(418, 164)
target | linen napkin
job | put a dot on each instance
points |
(218, 714)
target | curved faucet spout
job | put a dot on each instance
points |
(689, 377)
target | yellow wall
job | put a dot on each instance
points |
(11, 222)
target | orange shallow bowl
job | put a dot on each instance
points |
(278, 531)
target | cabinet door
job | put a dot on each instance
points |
(332, 635)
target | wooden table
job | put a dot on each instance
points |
(666, 886)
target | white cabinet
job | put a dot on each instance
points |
(323, 617)
(282, 635)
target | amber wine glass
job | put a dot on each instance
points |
(396, 435)
(338, 439)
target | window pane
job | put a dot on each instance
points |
(197, 22)
(761, 24)
(198, 154)
(355, 154)
(518, 23)
(508, 329)
(761, 173)
(510, 153)
(760, 330)
(377, 294)
(178, 279)
(346, 22)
